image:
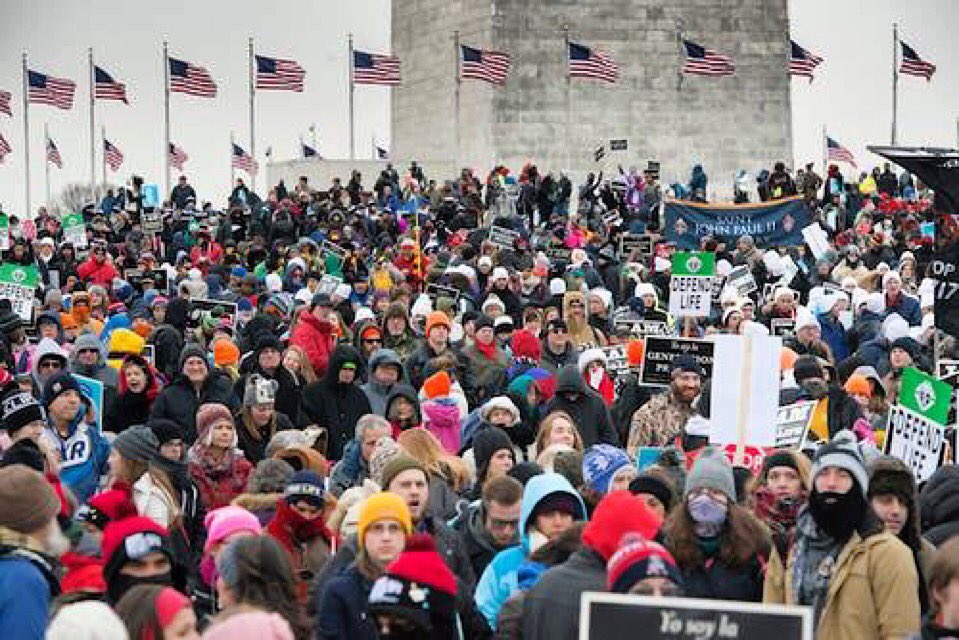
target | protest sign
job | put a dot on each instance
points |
(792, 421)
(777, 223)
(4, 232)
(435, 291)
(335, 249)
(718, 283)
(948, 372)
(749, 457)
(74, 230)
(916, 440)
(328, 284)
(617, 364)
(790, 270)
(615, 616)
(782, 327)
(741, 279)
(93, 391)
(626, 320)
(743, 409)
(628, 242)
(151, 195)
(925, 395)
(944, 269)
(559, 253)
(612, 218)
(660, 352)
(690, 284)
(18, 285)
(217, 308)
(647, 457)
(502, 237)
(148, 354)
(817, 240)
(151, 222)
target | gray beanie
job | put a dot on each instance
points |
(842, 452)
(712, 471)
(137, 443)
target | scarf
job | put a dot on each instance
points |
(488, 350)
(780, 516)
(814, 564)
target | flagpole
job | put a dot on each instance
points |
(103, 149)
(46, 142)
(456, 94)
(232, 173)
(352, 147)
(26, 133)
(895, 80)
(569, 101)
(252, 114)
(313, 136)
(166, 121)
(302, 154)
(93, 135)
(825, 151)
(373, 143)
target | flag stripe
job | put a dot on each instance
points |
(53, 154)
(106, 88)
(44, 89)
(585, 62)
(913, 65)
(802, 62)
(373, 68)
(701, 61)
(5, 148)
(191, 79)
(482, 64)
(112, 155)
(241, 160)
(838, 153)
(5, 98)
(178, 157)
(278, 74)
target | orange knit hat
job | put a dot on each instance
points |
(437, 318)
(634, 352)
(858, 385)
(787, 359)
(437, 385)
(225, 352)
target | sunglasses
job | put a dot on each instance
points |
(50, 364)
(80, 351)
(373, 340)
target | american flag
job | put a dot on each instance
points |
(801, 61)
(838, 153)
(483, 64)
(308, 151)
(701, 61)
(177, 157)
(274, 73)
(191, 79)
(106, 88)
(242, 160)
(5, 98)
(591, 63)
(44, 89)
(5, 148)
(112, 154)
(382, 153)
(53, 154)
(913, 65)
(373, 68)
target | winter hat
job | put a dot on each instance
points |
(805, 318)
(557, 287)
(225, 352)
(889, 276)
(191, 351)
(499, 402)
(208, 416)
(806, 367)
(894, 326)
(384, 450)
(24, 452)
(525, 345)
(890, 475)
(487, 442)
(858, 385)
(418, 587)
(907, 344)
(524, 471)
(654, 484)
(437, 385)
(86, 620)
(503, 324)
(259, 390)
(483, 322)
(842, 452)
(383, 506)
(634, 352)
(499, 273)
(224, 522)
(600, 464)
(712, 471)
(437, 319)
(130, 539)
(257, 625)
(876, 303)
(305, 486)
(617, 514)
(107, 507)
(637, 559)
(271, 475)
(27, 501)
(58, 384)
(787, 359)
(492, 300)
(591, 355)
(697, 425)
(19, 409)
(168, 604)
(685, 363)
(137, 443)
(396, 466)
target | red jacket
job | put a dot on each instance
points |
(101, 273)
(315, 337)
(308, 544)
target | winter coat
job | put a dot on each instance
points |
(97, 272)
(716, 580)
(872, 592)
(939, 505)
(442, 499)
(489, 374)
(551, 607)
(589, 412)
(343, 612)
(127, 410)
(418, 362)
(441, 417)
(376, 392)
(27, 586)
(262, 505)
(479, 546)
(875, 353)
(350, 471)
(907, 307)
(834, 334)
(252, 445)
(335, 406)
(404, 391)
(84, 455)
(631, 397)
(315, 337)
(179, 401)
(219, 486)
(866, 328)
(167, 342)
(553, 362)
(500, 579)
(307, 544)
(154, 501)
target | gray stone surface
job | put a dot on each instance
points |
(724, 123)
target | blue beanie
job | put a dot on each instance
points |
(305, 486)
(600, 464)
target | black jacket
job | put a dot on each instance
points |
(939, 505)
(335, 406)
(126, 410)
(253, 447)
(179, 401)
(343, 611)
(479, 547)
(553, 362)
(551, 609)
(588, 410)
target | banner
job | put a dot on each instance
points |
(925, 395)
(659, 353)
(628, 242)
(771, 224)
(916, 440)
(151, 222)
(948, 372)
(944, 269)
(18, 285)
(614, 616)
(93, 391)
(502, 237)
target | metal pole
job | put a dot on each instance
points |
(252, 113)
(103, 160)
(456, 95)
(313, 137)
(93, 148)
(46, 142)
(569, 102)
(895, 80)
(825, 151)
(166, 120)
(26, 134)
(352, 148)
(232, 173)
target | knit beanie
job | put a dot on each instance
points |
(270, 475)
(437, 385)
(225, 352)
(617, 514)
(208, 416)
(191, 351)
(19, 409)
(655, 485)
(224, 522)
(437, 319)
(24, 452)
(384, 450)
(57, 385)
(524, 471)
(500, 402)
(419, 588)
(806, 367)
(137, 443)
(128, 540)
(842, 452)
(383, 506)
(525, 345)
(600, 464)
(398, 465)
(637, 559)
(166, 430)
(712, 471)
(485, 443)
(858, 384)
(27, 501)
(86, 620)
(259, 390)
(304, 486)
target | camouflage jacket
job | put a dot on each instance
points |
(658, 422)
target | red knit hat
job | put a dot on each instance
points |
(619, 513)
(108, 506)
(421, 563)
(525, 345)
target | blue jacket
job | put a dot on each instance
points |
(24, 597)
(500, 579)
(908, 307)
(84, 455)
(343, 612)
(834, 334)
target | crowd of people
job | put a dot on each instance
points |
(390, 410)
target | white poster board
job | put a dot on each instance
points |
(744, 408)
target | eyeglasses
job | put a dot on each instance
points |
(373, 340)
(499, 525)
(50, 364)
(82, 351)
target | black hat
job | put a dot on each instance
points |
(25, 452)
(322, 300)
(806, 367)
(9, 321)
(557, 323)
(907, 344)
(57, 385)
(655, 486)
(267, 340)
(166, 430)
(484, 322)
(685, 363)
(18, 409)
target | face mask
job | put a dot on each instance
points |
(837, 514)
(708, 513)
(123, 583)
(596, 378)
(88, 545)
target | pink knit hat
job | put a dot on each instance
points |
(208, 416)
(224, 522)
(257, 625)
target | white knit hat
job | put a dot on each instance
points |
(894, 327)
(805, 318)
(86, 620)
(422, 307)
(557, 286)
(591, 355)
(890, 275)
(500, 273)
(499, 402)
(492, 300)
(876, 303)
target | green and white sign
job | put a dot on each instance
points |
(75, 230)
(17, 284)
(4, 232)
(926, 395)
(691, 284)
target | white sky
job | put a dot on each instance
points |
(851, 94)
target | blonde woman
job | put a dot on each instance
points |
(448, 475)
(557, 428)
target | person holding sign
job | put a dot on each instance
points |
(659, 421)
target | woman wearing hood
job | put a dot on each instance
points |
(138, 388)
(581, 333)
(592, 365)
(336, 402)
(403, 409)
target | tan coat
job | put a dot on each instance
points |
(872, 594)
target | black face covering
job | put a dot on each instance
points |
(124, 583)
(837, 514)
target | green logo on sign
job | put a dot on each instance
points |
(925, 394)
(699, 263)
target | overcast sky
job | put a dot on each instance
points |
(851, 94)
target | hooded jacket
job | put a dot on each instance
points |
(589, 411)
(315, 337)
(376, 392)
(336, 406)
(307, 544)
(130, 408)
(441, 417)
(84, 454)
(100, 371)
(939, 505)
(180, 401)
(479, 546)
(500, 579)
(167, 338)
